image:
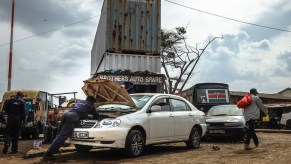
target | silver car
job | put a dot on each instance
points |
(225, 121)
(157, 118)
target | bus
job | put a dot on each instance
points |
(36, 103)
(205, 95)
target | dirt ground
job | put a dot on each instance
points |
(274, 148)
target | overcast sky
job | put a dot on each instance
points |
(52, 48)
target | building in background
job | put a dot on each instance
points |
(127, 43)
(286, 92)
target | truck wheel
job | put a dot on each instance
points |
(134, 144)
(83, 148)
(25, 136)
(288, 125)
(35, 134)
(194, 138)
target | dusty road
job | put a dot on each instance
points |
(274, 148)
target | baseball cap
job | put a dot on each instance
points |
(254, 91)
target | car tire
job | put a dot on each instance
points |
(35, 134)
(288, 125)
(194, 139)
(134, 144)
(83, 148)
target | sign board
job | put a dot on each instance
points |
(135, 79)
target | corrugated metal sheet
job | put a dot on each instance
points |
(129, 26)
(134, 25)
(131, 62)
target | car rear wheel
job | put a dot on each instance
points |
(134, 143)
(194, 139)
(83, 148)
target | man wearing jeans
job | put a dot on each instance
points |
(251, 114)
(69, 121)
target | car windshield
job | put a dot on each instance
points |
(225, 110)
(140, 100)
(114, 107)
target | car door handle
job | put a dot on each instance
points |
(171, 116)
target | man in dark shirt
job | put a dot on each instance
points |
(15, 109)
(69, 121)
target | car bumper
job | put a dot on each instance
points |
(226, 132)
(204, 129)
(104, 137)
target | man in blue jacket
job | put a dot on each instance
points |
(69, 121)
(15, 109)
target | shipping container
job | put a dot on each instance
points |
(127, 62)
(128, 26)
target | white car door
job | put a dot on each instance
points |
(161, 122)
(184, 119)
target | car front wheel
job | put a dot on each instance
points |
(194, 138)
(134, 143)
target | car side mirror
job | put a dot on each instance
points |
(155, 108)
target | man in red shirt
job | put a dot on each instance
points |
(53, 122)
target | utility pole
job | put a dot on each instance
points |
(11, 46)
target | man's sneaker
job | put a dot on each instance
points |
(247, 147)
(48, 156)
(5, 149)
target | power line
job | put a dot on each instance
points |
(236, 20)
(55, 29)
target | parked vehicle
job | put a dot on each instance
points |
(225, 121)
(286, 120)
(206, 95)
(157, 119)
(36, 109)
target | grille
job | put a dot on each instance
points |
(87, 123)
(217, 124)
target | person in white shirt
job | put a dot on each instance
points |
(251, 114)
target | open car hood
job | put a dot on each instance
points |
(107, 92)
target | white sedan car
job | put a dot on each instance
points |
(158, 118)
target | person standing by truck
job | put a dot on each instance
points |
(53, 123)
(15, 109)
(69, 121)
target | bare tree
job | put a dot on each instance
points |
(178, 57)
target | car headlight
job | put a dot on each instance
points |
(232, 124)
(108, 123)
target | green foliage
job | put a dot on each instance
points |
(171, 38)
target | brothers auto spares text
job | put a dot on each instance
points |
(147, 80)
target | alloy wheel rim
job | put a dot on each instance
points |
(137, 144)
(196, 139)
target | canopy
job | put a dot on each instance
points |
(107, 92)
